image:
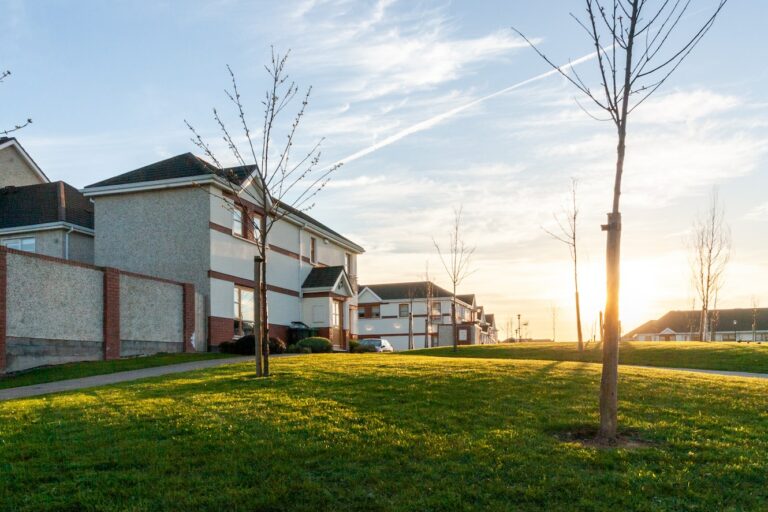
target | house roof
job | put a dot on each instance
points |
(188, 165)
(416, 289)
(14, 142)
(722, 320)
(467, 298)
(44, 203)
(323, 277)
(490, 319)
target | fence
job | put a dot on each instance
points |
(55, 311)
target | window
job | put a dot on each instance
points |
(237, 221)
(369, 311)
(403, 310)
(20, 244)
(348, 262)
(313, 250)
(336, 314)
(256, 226)
(436, 308)
(244, 311)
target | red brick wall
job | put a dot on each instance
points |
(279, 331)
(220, 329)
(111, 313)
(189, 316)
(3, 288)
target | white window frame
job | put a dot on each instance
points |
(18, 243)
(237, 221)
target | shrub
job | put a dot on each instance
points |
(362, 349)
(276, 345)
(353, 344)
(244, 346)
(316, 344)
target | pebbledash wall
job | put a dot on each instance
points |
(55, 311)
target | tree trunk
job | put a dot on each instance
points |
(264, 309)
(257, 299)
(410, 330)
(610, 376)
(578, 317)
(453, 321)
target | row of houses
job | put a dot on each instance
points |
(740, 324)
(179, 220)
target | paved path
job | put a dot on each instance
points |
(711, 372)
(113, 378)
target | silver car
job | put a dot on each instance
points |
(380, 345)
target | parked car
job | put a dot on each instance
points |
(379, 344)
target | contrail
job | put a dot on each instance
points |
(432, 121)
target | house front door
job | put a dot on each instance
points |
(336, 319)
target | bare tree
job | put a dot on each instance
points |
(16, 127)
(710, 251)
(456, 260)
(755, 307)
(428, 291)
(636, 54)
(278, 185)
(567, 234)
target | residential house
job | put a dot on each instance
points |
(39, 216)
(744, 324)
(180, 219)
(386, 311)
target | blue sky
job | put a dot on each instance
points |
(109, 84)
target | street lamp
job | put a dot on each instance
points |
(734, 330)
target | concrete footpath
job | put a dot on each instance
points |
(114, 378)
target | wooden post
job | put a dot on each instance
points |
(257, 334)
(610, 376)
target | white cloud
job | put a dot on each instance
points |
(759, 212)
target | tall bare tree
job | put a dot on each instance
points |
(16, 127)
(278, 185)
(567, 231)
(637, 49)
(456, 260)
(710, 251)
(428, 292)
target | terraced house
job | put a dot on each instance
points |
(179, 219)
(421, 310)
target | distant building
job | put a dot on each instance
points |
(745, 324)
(37, 216)
(385, 310)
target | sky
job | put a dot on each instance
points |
(109, 85)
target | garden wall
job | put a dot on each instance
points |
(55, 311)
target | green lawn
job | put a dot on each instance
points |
(731, 356)
(87, 369)
(382, 432)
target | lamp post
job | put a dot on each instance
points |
(734, 330)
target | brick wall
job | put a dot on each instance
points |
(76, 309)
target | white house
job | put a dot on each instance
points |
(399, 311)
(744, 324)
(179, 219)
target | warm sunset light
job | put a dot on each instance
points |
(342, 255)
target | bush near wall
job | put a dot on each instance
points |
(316, 344)
(246, 346)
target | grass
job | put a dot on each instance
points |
(87, 369)
(731, 356)
(387, 433)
